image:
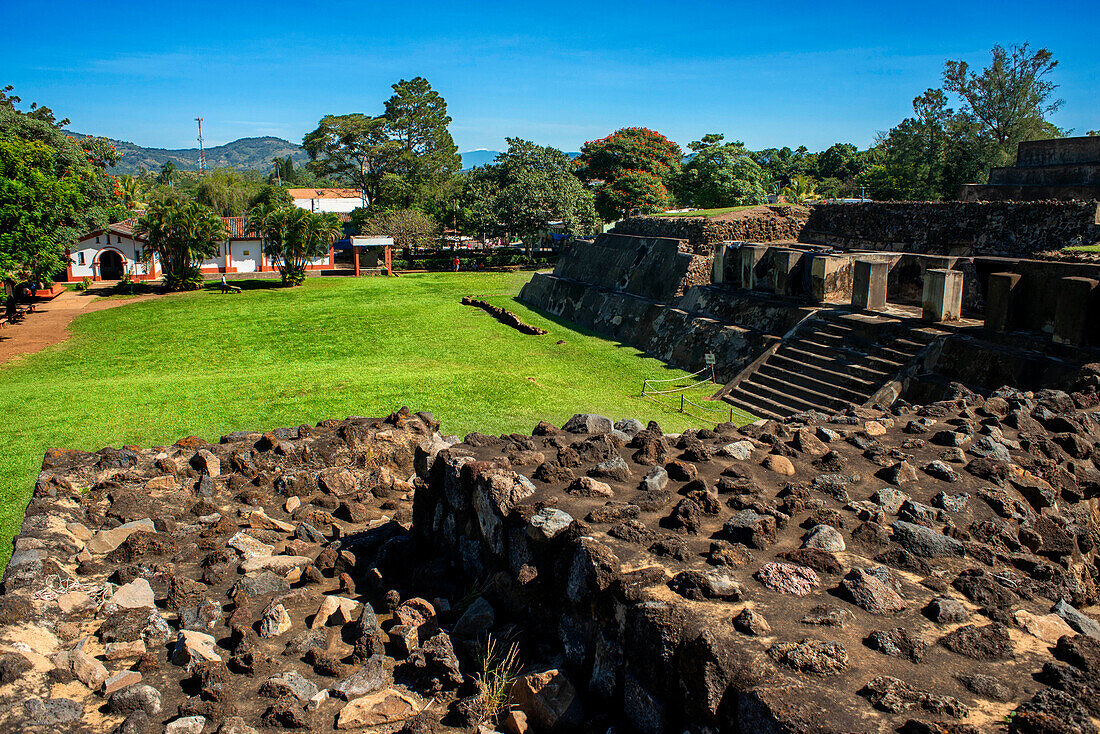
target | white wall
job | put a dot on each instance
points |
(245, 256)
(329, 205)
(88, 248)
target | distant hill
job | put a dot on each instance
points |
(474, 158)
(246, 154)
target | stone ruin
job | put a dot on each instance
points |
(1064, 168)
(917, 569)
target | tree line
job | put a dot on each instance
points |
(53, 189)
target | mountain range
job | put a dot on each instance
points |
(246, 154)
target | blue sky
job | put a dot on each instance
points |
(561, 73)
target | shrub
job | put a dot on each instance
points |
(84, 284)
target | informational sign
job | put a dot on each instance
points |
(709, 359)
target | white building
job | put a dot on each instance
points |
(328, 200)
(108, 254)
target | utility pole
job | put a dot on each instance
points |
(202, 155)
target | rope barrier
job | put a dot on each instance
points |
(673, 390)
(731, 410)
(676, 379)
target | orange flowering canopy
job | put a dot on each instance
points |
(632, 168)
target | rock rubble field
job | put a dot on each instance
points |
(922, 569)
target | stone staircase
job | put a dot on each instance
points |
(832, 360)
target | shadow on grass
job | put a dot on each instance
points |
(265, 284)
(566, 323)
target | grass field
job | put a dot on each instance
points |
(1082, 248)
(707, 212)
(205, 364)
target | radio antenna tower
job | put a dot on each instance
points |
(202, 155)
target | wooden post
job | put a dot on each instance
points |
(355, 249)
(389, 260)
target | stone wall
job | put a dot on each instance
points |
(670, 334)
(1015, 229)
(666, 572)
(650, 267)
(649, 293)
(780, 224)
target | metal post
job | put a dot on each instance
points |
(731, 415)
(681, 403)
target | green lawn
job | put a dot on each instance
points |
(204, 363)
(707, 212)
(1082, 248)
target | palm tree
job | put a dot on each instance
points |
(293, 237)
(181, 235)
(132, 192)
(167, 173)
(801, 190)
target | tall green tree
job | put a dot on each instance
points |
(720, 175)
(181, 234)
(356, 148)
(525, 189)
(631, 169)
(167, 174)
(51, 193)
(930, 155)
(1012, 97)
(417, 121)
(294, 237)
(226, 192)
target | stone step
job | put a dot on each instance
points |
(840, 363)
(826, 371)
(867, 355)
(891, 353)
(833, 388)
(758, 406)
(787, 387)
(793, 403)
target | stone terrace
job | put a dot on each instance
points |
(845, 573)
(858, 572)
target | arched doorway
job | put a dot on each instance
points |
(110, 265)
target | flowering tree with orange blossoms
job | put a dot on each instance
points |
(631, 170)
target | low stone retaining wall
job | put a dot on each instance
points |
(670, 334)
(778, 224)
(849, 574)
(1014, 229)
(919, 570)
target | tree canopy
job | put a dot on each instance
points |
(402, 158)
(1011, 98)
(52, 191)
(409, 228)
(632, 169)
(721, 175)
(417, 120)
(525, 189)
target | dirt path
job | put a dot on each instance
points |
(49, 324)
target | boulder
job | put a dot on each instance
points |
(588, 423)
(548, 700)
